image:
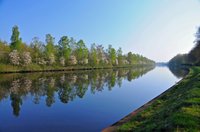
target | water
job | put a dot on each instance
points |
(77, 101)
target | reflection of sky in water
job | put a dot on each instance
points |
(90, 113)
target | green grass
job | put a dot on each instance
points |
(177, 110)
(4, 68)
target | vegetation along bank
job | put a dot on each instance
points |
(177, 109)
(67, 54)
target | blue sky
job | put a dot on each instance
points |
(158, 29)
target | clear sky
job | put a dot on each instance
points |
(157, 29)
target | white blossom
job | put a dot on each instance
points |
(41, 61)
(26, 58)
(85, 61)
(14, 57)
(27, 84)
(116, 62)
(51, 59)
(73, 79)
(72, 60)
(62, 61)
(15, 85)
(62, 79)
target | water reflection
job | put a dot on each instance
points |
(67, 86)
(178, 71)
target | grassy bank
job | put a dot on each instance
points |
(37, 68)
(178, 109)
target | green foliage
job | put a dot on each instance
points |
(130, 58)
(93, 56)
(192, 58)
(194, 54)
(112, 54)
(49, 48)
(64, 47)
(37, 49)
(120, 56)
(15, 34)
(179, 60)
(66, 52)
(81, 51)
(134, 59)
(176, 110)
(16, 42)
(4, 51)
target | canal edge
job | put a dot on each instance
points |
(113, 127)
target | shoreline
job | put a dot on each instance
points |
(114, 126)
(71, 69)
(127, 118)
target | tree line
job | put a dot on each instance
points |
(191, 58)
(66, 52)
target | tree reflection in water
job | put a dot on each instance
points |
(179, 71)
(67, 85)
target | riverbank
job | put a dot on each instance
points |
(36, 68)
(177, 109)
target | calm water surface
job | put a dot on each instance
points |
(77, 101)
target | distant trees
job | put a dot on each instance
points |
(50, 49)
(98, 56)
(15, 40)
(194, 54)
(93, 57)
(64, 49)
(197, 35)
(112, 54)
(37, 47)
(120, 57)
(81, 52)
(130, 57)
(66, 52)
(192, 58)
(102, 55)
(179, 59)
